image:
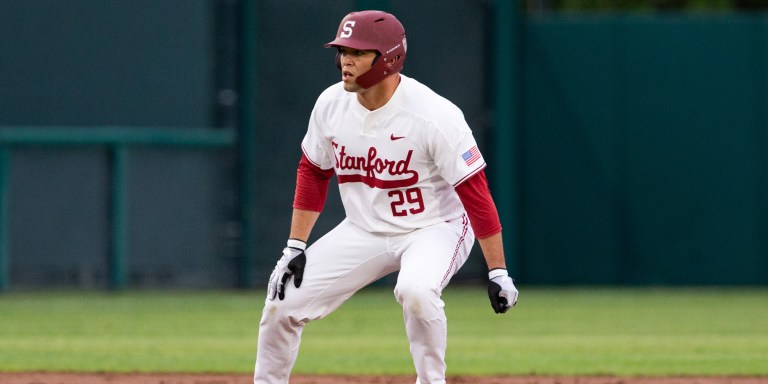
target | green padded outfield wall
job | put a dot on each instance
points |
(645, 149)
(641, 139)
(140, 63)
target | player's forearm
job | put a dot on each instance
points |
(302, 223)
(493, 251)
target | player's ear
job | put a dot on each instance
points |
(391, 62)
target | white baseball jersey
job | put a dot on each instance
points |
(397, 165)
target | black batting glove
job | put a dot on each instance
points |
(501, 290)
(291, 264)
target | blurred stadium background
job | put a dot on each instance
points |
(153, 144)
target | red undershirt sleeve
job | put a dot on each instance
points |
(311, 186)
(478, 203)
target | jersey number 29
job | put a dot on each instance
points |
(411, 196)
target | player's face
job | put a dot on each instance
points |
(354, 62)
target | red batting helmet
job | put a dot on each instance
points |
(373, 30)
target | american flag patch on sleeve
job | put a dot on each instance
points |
(471, 156)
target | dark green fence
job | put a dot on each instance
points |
(118, 142)
(646, 152)
(96, 192)
(623, 148)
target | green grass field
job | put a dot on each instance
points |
(583, 331)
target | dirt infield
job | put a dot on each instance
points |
(77, 378)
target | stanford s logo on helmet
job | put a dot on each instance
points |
(373, 30)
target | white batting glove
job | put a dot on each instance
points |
(290, 264)
(501, 290)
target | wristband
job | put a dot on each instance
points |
(496, 273)
(297, 244)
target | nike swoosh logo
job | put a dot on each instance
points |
(393, 137)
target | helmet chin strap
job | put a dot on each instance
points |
(378, 72)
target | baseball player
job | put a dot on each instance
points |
(412, 182)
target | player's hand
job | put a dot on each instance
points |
(501, 290)
(290, 265)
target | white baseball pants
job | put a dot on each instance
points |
(348, 259)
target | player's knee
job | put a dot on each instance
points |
(280, 312)
(418, 300)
